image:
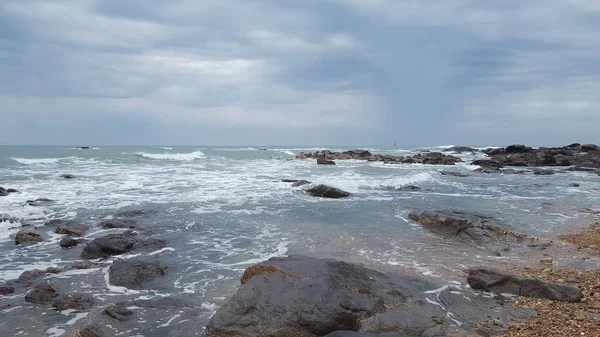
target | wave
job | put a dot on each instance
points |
(167, 148)
(174, 156)
(39, 161)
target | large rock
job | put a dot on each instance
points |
(117, 223)
(93, 330)
(325, 191)
(76, 301)
(321, 161)
(31, 275)
(303, 296)
(28, 238)
(41, 294)
(134, 273)
(518, 149)
(115, 244)
(499, 281)
(589, 147)
(475, 229)
(4, 192)
(68, 242)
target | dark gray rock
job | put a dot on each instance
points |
(117, 223)
(408, 188)
(573, 145)
(4, 192)
(68, 242)
(325, 191)
(115, 244)
(119, 312)
(134, 273)
(71, 229)
(518, 149)
(6, 291)
(76, 301)
(454, 174)
(67, 176)
(301, 183)
(325, 162)
(38, 202)
(31, 275)
(574, 185)
(499, 281)
(12, 190)
(84, 147)
(28, 238)
(53, 270)
(87, 265)
(41, 294)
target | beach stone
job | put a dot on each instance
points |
(301, 183)
(115, 244)
(28, 238)
(76, 301)
(499, 281)
(71, 229)
(38, 202)
(325, 162)
(67, 176)
(41, 294)
(134, 273)
(31, 275)
(6, 291)
(68, 242)
(117, 223)
(325, 191)
(119, 312)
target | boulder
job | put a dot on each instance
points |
(38, 202)
(325, 191)
(115, 244)
(12, 190)
(4, 192)
(6, 291)
(500, 281)
(28, 238)
(117, 223)
(134, 273)
(41, 294)
(68, 242)
(71, 229)
(31, 275)
(589, 147)
(301, 183)
(408, 188)
(518, 148)
(325, 162)
(119, 312)
(76, 301)
(53, 270)
(574, 145)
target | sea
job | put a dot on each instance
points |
(222, 209)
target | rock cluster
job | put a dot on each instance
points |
(430, 158)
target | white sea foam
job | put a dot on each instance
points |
(167, 148)
(38, 161)
(191, 156)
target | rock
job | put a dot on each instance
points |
(460, 149)
(582, 169)
(133, 273)
(119, 312)
(6, 291)
(499, 281)
(28, 238)
(303, 296)
(59, 222)
(325, 191)
(41, 294)
(364, 334)
(84, 147)
(115, 244)
(71, 230)
(12, 190)
(574, 185)
(573, 145)
(93, 330)
(68, 242)
(488, 169)
(53, 270)
(38, 202)
(301, 183)
(518, 149)
(131, 214)
(454, 174)
(589, 147)
(432, 158)
(76, 301)
(4, 192)
(31, 275)
(289, 180)
(117, 223)
(67, 176)
(475, 229)
(408, 188)
(325, 162)
(87, 265)
(546, 260)
(544, 172)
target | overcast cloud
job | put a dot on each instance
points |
(299, 72)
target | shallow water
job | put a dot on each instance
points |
(222, 209)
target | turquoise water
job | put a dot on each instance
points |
(222, 209)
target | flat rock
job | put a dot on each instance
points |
(4, 192)
(161, 303)
(134, 273)
(453, 174)
(28, 238)
(41, 294)
(115, 244)
(117, 223)
(499, 281)
(325, 191)
(76, 301)
(460, 149)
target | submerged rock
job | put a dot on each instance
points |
(134, 273)
(41, 294)
(76, 301)
(6, 291)
(325, 191)
(67, 176)
(301, 183)
(38, 202)
(117, 223)
(453, 174)
(28, 238)
(93, 330)
(68, 242)
(499, 281)
(115, 244)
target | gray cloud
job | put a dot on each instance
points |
(298, 72)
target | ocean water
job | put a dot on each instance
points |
(222, 209)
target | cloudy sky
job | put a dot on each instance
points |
(312, 72)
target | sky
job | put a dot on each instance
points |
(299, 72)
